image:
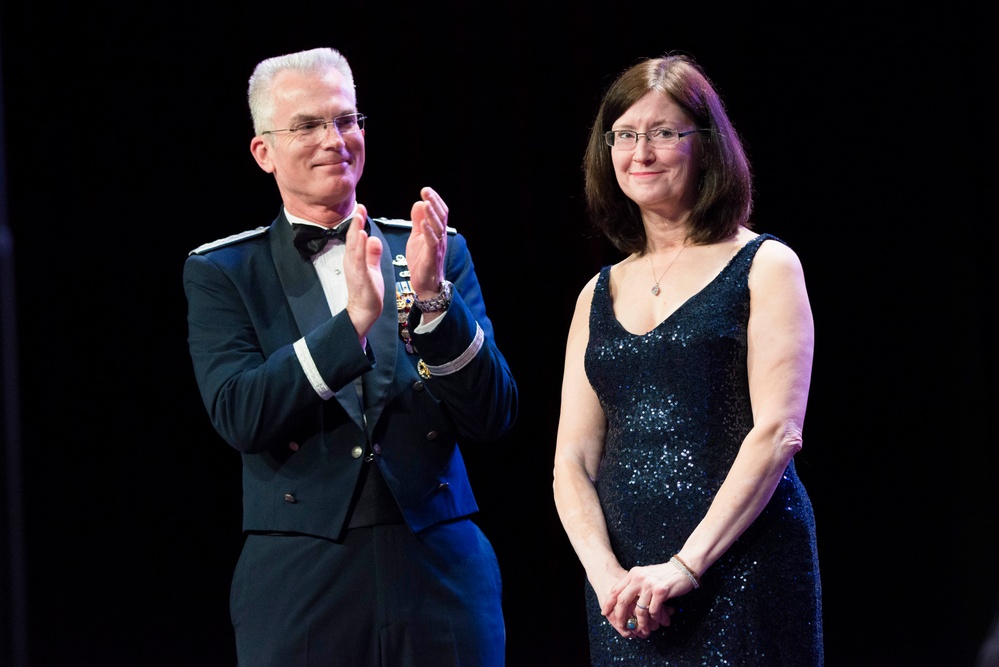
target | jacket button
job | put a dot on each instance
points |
(288, 498)
(432, 436)
(356, 452)
(418, 385)
(293, 446)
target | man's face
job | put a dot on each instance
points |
(317, 178)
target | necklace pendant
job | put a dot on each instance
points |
(655, 290)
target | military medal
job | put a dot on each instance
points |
(404, 298)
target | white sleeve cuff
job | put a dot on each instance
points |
(463, 359)
(311, 372)
(422, 328)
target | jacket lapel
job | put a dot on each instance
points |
(306, 299)
(383, 340)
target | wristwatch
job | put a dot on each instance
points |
(436, 303)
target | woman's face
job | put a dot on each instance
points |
(659, 180)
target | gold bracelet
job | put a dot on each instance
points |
(680, 565)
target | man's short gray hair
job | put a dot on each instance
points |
(262, 80)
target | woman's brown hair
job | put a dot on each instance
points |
(725, 189)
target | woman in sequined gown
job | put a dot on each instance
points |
(686, 377)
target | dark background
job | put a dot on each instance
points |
(127, 137)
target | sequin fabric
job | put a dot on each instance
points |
(677, 406)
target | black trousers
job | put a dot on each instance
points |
(383, 597)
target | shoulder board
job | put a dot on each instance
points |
(229, 240)
(405, 224)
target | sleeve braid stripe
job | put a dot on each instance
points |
(464, 358)
(311, 372)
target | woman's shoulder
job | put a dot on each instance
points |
(775, 249)
(769, 247)
(586, 294)
(775, 261)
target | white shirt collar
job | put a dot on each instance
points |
(293, 219)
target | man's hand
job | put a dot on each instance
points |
(427, 244)
(363, 273)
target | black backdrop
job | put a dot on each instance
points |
(127, 145)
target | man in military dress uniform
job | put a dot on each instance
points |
(347, 399)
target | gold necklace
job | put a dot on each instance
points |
(655, 288)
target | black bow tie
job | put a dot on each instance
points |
(310, 239)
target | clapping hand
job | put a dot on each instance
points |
(363, 273)
(427, 244)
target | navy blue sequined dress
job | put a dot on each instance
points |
(677, 406)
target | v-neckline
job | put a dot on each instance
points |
(610, 301)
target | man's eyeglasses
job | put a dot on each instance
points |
(661, 137)
(313, 131)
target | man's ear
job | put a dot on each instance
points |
(261, 151)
